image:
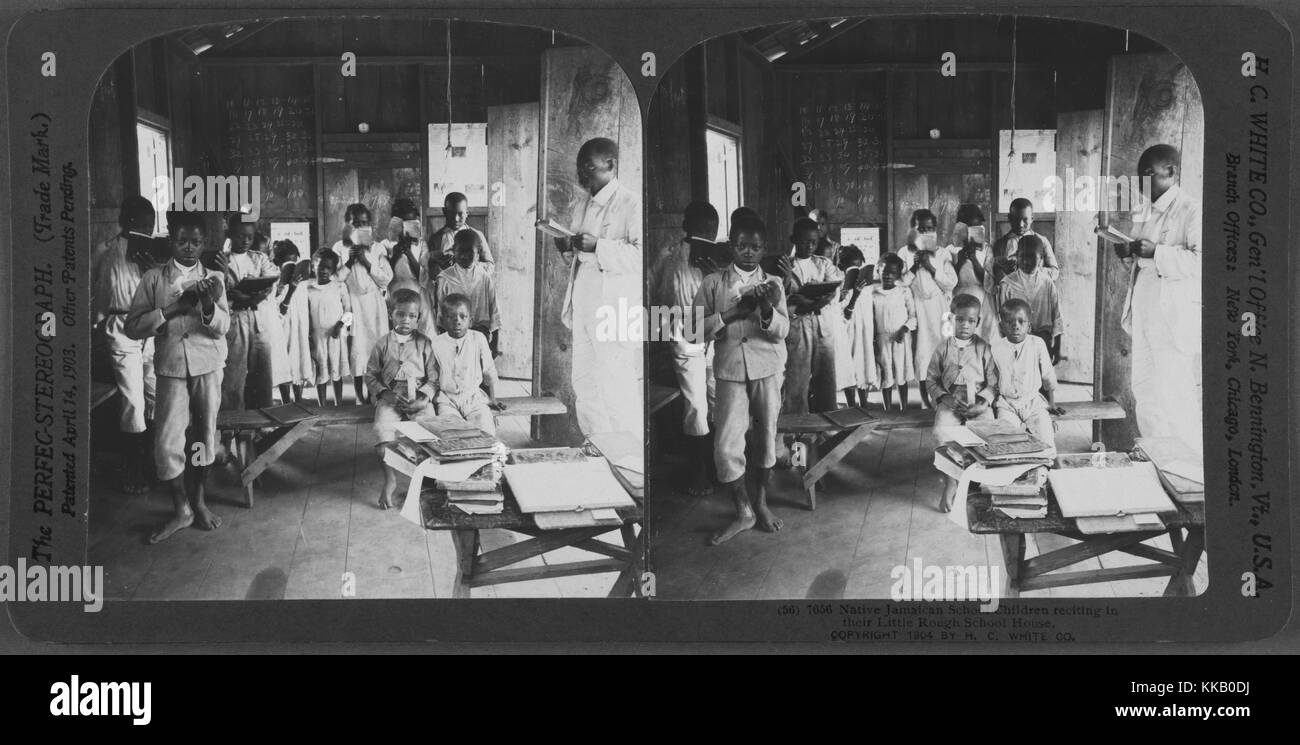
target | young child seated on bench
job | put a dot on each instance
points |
(962, 379)
(463, 369)
(1024, 368)
(401, 362)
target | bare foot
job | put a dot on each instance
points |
(744, 521)
(385, 502)
(206, 518)
(179, 522)
(767, 522)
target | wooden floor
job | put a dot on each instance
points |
(314, 522)
(877, 510)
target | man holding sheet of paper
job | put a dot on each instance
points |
(1162, 312)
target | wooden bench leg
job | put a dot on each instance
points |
(245, 447)
(826, 462)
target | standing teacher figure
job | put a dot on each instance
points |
(1162, 312)
(606, 267)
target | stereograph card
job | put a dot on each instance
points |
(1079, 218)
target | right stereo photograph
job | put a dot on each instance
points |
(928, 295)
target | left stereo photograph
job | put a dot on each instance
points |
(359, 292)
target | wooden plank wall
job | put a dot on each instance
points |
(1151, 99)
(585, 94)
(106, 154)
(674, 120)
(1078, 152)
(151, 79)
(512, 163)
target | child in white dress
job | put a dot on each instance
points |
(931, 279)
(365, 271)
(895, 320)
(327, 302)
(856, 363)
(295, 321)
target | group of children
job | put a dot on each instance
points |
(918, 282)
(362, 308)
(977, 325)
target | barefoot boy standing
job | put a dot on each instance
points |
(746, 319)
(183, 307)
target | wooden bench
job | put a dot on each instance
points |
(282, 437)
(842, 440)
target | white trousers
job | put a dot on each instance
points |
(607, 374)
(1164, 377)
(695, 379)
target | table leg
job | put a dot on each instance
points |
(629, 580)
(466, 553)
(1189, 550)
(1013, 556)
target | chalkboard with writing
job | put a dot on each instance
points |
(265, 127)
(838, 133)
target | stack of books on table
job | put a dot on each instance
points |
(1017, 449)
(463, 444)
(479, 493)
(1026, 497)
(459, 460)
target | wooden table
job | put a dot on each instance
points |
(494, 567)
(841, 441)
(254, 458)
(1186, 530)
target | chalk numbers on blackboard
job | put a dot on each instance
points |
(841, 148)
(271, 136)
(948, 65)
(648, 65)
(48, 62)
